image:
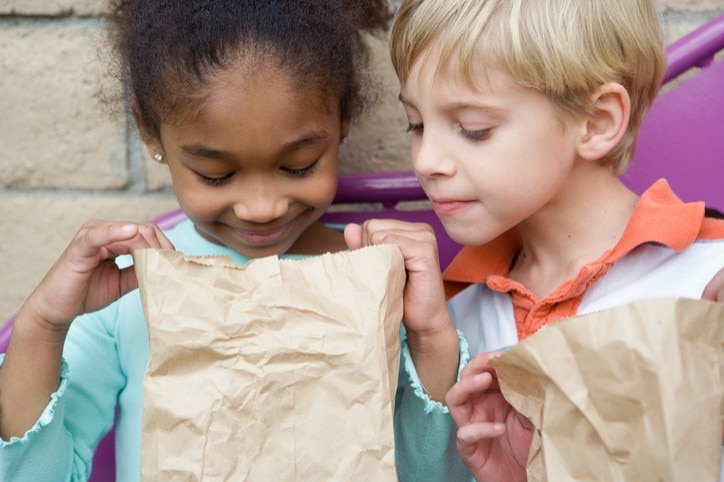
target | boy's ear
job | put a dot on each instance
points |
(607, 122)
(149, 136)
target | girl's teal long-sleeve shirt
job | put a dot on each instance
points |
(105, 358)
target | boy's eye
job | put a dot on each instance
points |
(305, 171)
(214, 181)
(414, 128)
(477, 135)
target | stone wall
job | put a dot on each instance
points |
(65, 159)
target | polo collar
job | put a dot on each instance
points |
(659, 217)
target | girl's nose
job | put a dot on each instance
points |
(261, 207)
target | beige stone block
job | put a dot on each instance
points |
(377, 140)
(56, 7)
(36, 229)
(53, 130)
(677, 26)
(692, 5)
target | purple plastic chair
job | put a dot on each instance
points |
(682, 137)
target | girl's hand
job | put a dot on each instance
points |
(493, 438)
(431, 335)
(424, 299)
(714, 291)
(85, 278)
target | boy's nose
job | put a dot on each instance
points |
(431, 158)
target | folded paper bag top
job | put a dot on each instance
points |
(630, 393)
(277, 370)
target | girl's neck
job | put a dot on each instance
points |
(319, 239)
(578, 227)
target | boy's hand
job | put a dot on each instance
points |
(714, 291)
(493, 438)
(431, 335)
(85, 278)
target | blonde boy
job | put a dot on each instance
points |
(522, 115)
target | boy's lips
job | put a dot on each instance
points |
(449, 206)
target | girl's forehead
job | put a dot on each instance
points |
(253, 88)
(256, 111)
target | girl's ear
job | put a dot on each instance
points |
(607, 122)
(149, 136)
(344, 130)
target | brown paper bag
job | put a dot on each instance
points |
(632, 393)
(281, 370)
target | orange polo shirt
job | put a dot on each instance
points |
(659, 217)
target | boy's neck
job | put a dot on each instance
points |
(582, 223)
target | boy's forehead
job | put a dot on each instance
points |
(434, 70)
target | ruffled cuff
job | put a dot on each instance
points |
(48, 413)
(414, 379)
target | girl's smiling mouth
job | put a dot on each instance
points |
(261, 236)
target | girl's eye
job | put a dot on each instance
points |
(477, 135)
(214, 181)
(415, 129)
(305, 171)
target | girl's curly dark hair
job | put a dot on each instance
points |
(166, 51)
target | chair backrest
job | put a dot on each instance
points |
(682, 137)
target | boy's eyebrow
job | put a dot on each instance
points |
(455, 106)
(200, 150)
(486, 108)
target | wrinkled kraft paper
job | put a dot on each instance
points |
(282, 370)
(633, 393)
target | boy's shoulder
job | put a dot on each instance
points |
(712, 228)
(660, 216)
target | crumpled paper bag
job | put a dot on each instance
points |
(633, 393)
(281, 370)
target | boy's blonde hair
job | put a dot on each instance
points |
(563, 48)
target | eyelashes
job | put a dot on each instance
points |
(219, 181)
(214, 181)
(414, 129)
(305, 171)
(475, 136)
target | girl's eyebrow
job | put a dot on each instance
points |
(305, 140)
(200, 150)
